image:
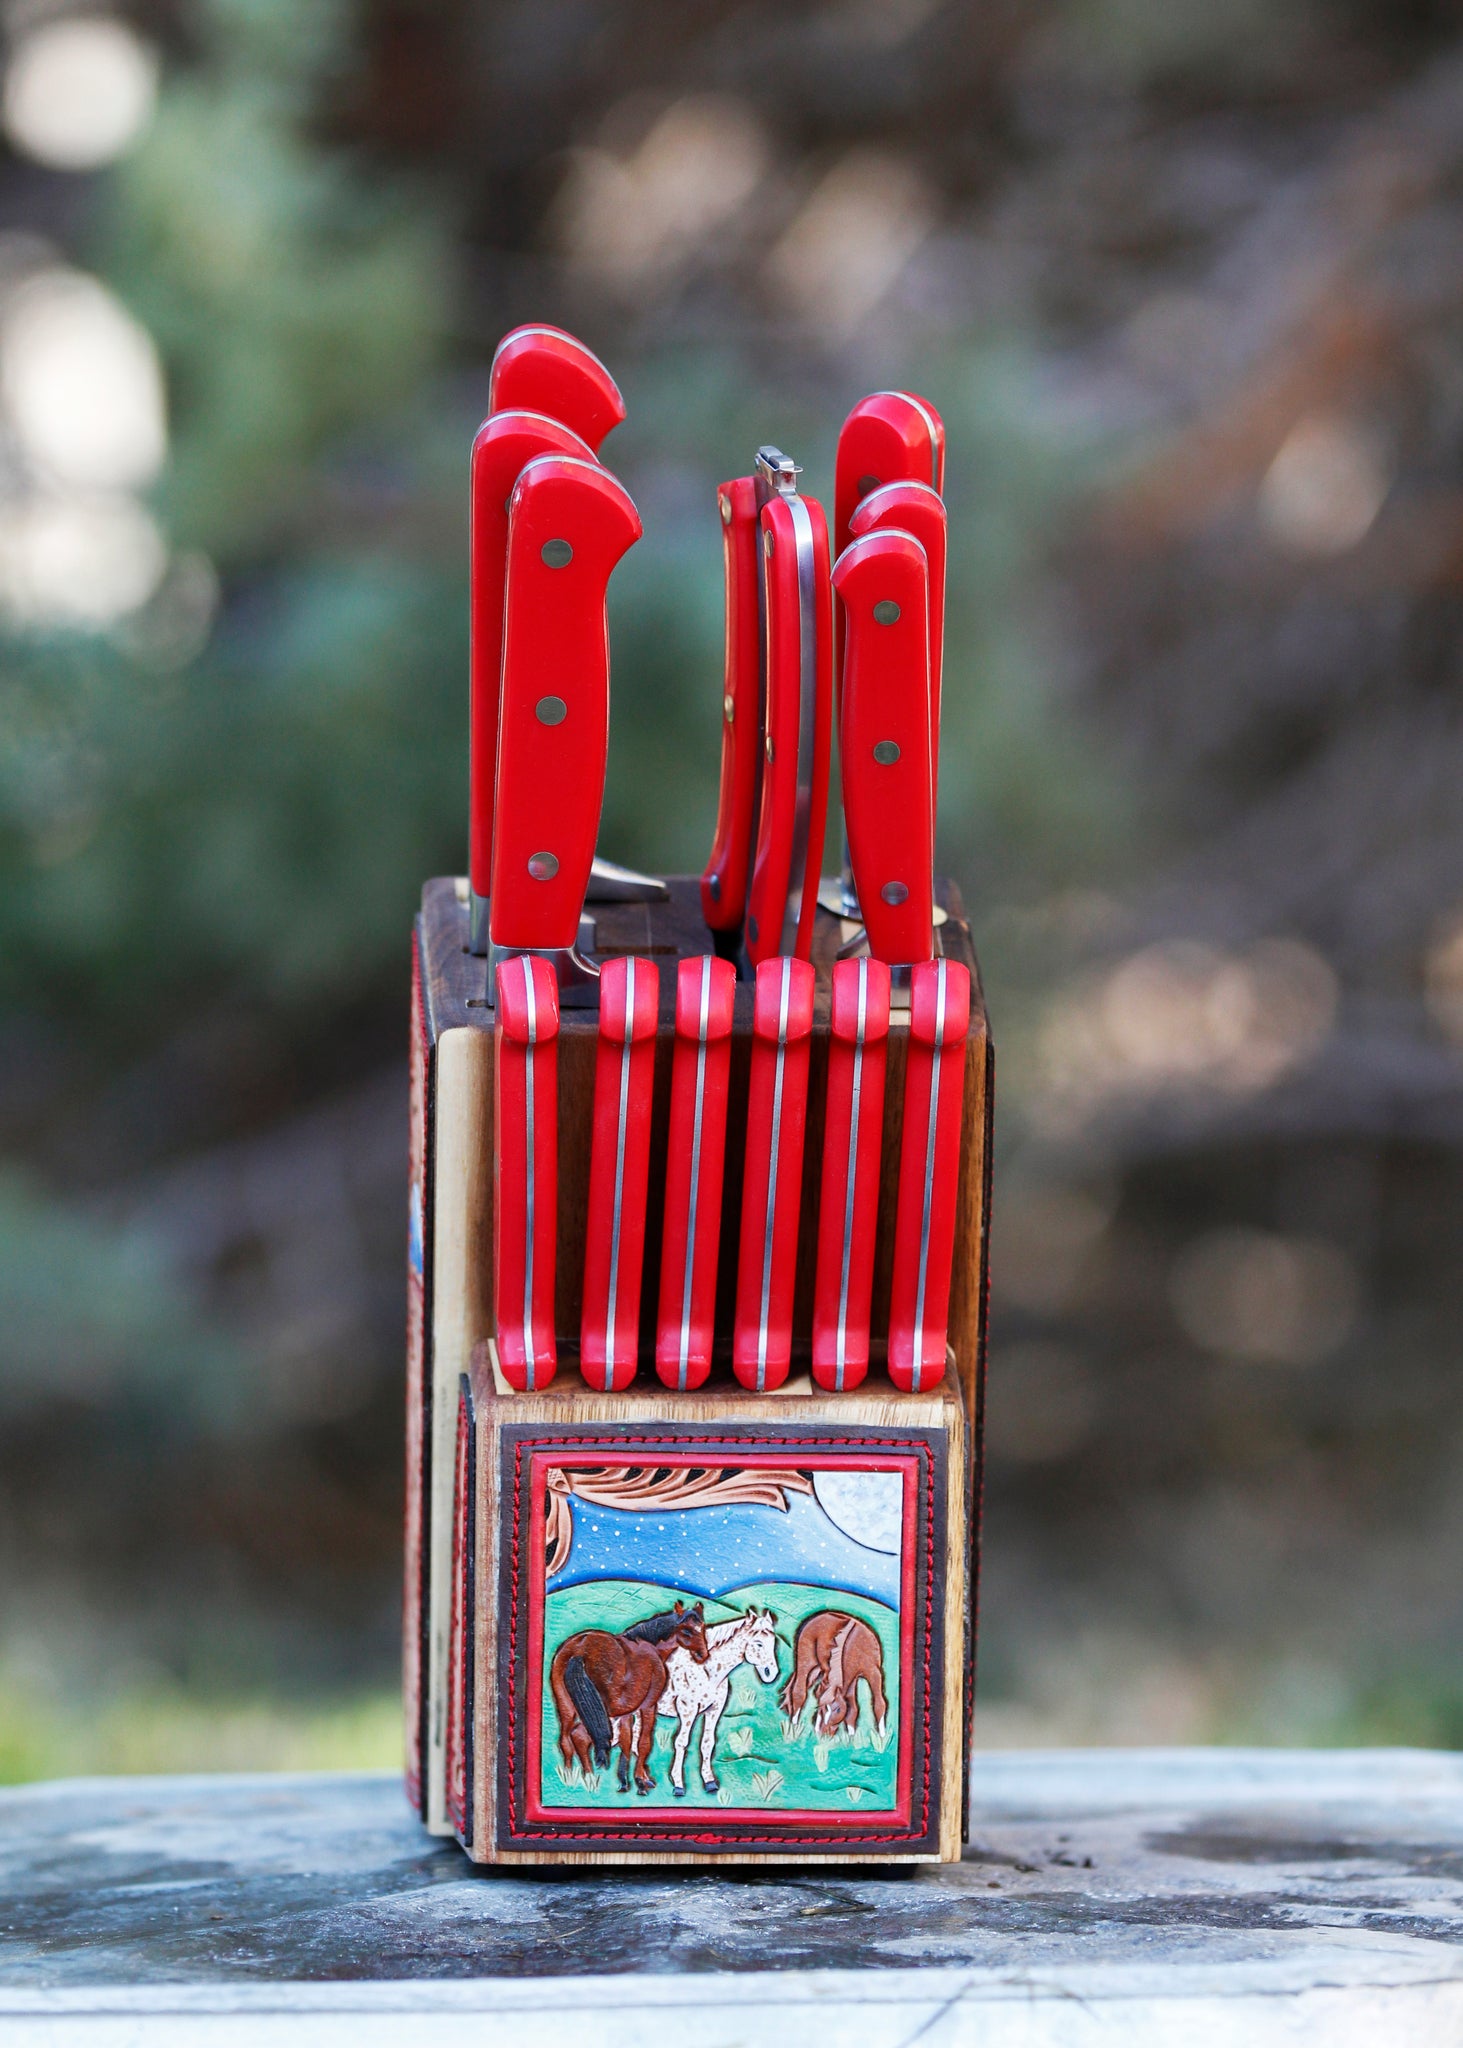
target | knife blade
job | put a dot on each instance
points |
(619, 1171)
(777, 1104)
(570, 522)
(724, 882)
(543, 369)
(918, 509)
(504, 443)
(695, 1160)
(797, 612)
(882, 580)
(525, 1170)
(848, 1210)
(929, 1173)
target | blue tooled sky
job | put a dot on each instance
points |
(713, 1550)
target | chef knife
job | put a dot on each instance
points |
(797, 619)
(695, 1157)
(724, 883)
(889, 437)
(777, 1102)
(504, 443)
(848, 1210)
(619, 1170)
(918, 509)
(543, 369)
(929, 1173)
(525, 1169)
(570, 523)
(882, 580)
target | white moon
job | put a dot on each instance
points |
(868, 1506)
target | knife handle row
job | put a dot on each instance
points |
(525, 1215)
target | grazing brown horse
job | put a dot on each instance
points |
(832, 1651)
(607, 1687)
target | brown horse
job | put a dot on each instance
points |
(832, 1651)
(607, 1687)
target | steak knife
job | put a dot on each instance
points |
(569, 523)
(848, 1210)
(797, 619)
(525, 1169)
(504, 443)
(724, 883)
(695, 1159)
(929, 1173)
(543, 369)
(777, 1103)
(918, 509)
(619, 1171)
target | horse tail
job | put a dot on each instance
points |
(587, 1697)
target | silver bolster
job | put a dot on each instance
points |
(855, 1104)
(772, 1157)
(683, 1362)
(929, 1187)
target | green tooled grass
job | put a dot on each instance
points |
(760, 1764)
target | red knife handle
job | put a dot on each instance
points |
(695, 1158)
(504, 443)
(525, 1170)
(782, 899)
(724, 884)
(569, 523)
(543, 369)
(884, 741)
(929, 1173)
(772, 1177)
(889, 437)
(848, 1213)
(619, 1172)
(917, 509)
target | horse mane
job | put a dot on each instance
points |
(656, 1627)
(835, 1655)
(721, 1631)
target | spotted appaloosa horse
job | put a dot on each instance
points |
(702, 1688)
(607, 1687)
(831, 1653)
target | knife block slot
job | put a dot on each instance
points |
(493, 1478)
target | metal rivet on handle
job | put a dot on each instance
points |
(886, 611)
(867, 484)
(556, 554)
(886, 751)
(551, 711)
(894, 893)
(713, 887)
(728, 706)
(543, 866)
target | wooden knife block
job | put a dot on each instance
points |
(875, 1491)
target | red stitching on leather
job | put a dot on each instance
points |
(567, 1835)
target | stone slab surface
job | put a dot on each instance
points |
(1133, 1897)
